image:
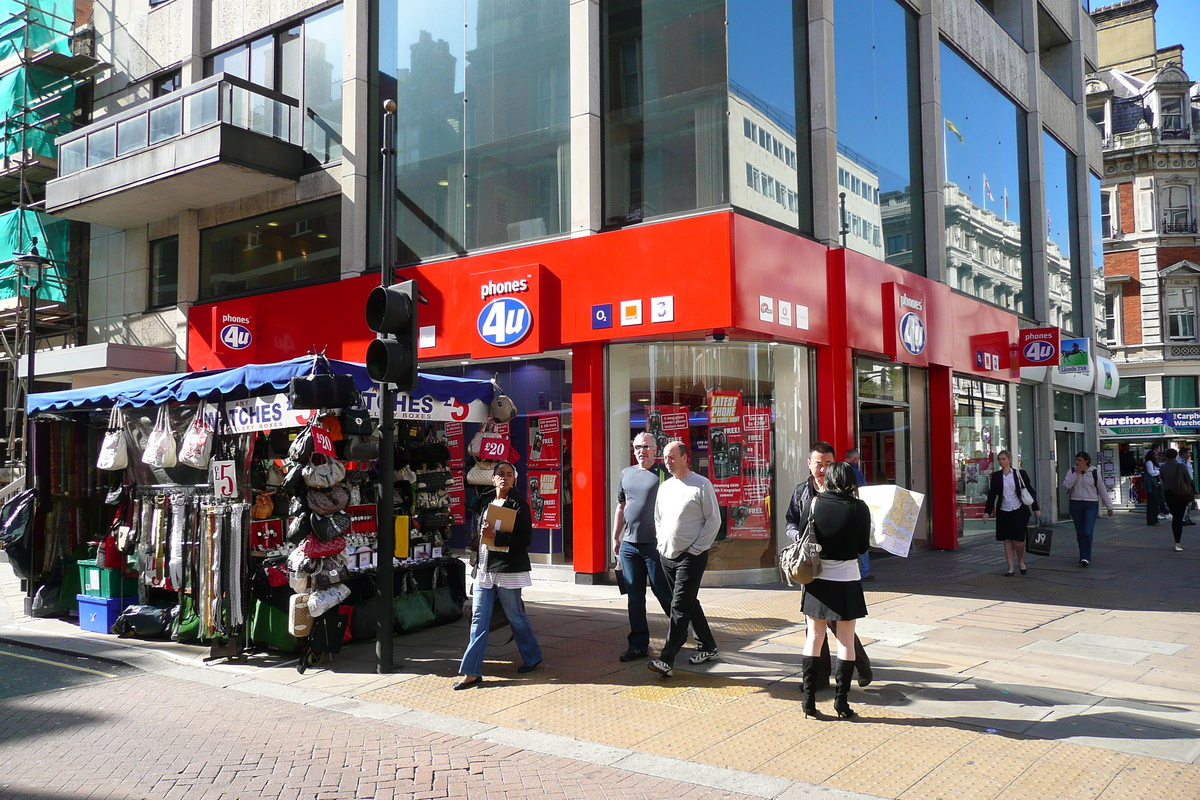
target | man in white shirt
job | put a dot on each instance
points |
(686, 520)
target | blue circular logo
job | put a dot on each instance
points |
(236, 337)
(1040, 352)
(504, 321)
(912, 333)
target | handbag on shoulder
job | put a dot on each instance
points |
(800, 561)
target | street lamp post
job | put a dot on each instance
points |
(31, 267)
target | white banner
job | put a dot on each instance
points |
(274, 411)
(894, 514)
(265, 414)
(428, 409)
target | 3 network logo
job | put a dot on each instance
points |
(504, 321)
(912, 333)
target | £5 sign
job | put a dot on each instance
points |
(504, 321)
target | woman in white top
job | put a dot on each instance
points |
(1086, 492)
(1012, 515)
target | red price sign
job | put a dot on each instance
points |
(493, 449)
(322, 443)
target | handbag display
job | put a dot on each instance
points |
(359, 448)
(114, 450)
(356, 421)
(332, 571)
(1038, 540)
(160, 445)
(300, 619)
(480, 473)
(410, 609)
(324, 476)
(327, 501)
(315, 548)
(502, 408)
(441, 599)
(301, 448)
(322, 600)
(196, 447)
(330, 527)
(800, 561)
(264, 505)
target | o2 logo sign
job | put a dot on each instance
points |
(1039, 352)
(236, 337)
(912, 333)
(504, 321)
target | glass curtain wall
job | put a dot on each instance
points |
(482, 129)
(323, 85)
(744, 412)
(1096, 261)
(879, 130)
(769, 161)
(664, 86)
(1062, 257)
(981, 431)
(983, 164)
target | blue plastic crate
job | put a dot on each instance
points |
(97, 614)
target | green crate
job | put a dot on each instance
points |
(99, 582)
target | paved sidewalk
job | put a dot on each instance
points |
(1066, 683)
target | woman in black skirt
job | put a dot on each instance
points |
(843, 528)
(1012, 515)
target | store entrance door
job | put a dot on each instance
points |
(883, 442)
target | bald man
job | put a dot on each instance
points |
(686, 520)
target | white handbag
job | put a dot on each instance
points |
(114, 450)
(196, 447)
(160, 445)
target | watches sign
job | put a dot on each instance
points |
(1038, 347)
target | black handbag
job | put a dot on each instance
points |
(331, 526)
(300, 527)
(356, 421)
(293, 481)
(328, 632)
(301, 449)
(322, 391)
(441, 599)
(1038, 540)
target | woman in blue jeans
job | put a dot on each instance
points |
(1086, 491)
(500, 577)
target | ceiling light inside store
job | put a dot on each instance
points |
(516, 358)
(322, 235)
(443, 183)
(272, 224)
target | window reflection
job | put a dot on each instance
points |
(1101, 225)
(323, 85)
(878, 125)
(664, 90)
(507, 63)
(768, 176)
(1062, 263)
(987, 233)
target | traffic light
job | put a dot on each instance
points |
(392, 311)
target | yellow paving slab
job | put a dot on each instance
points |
(948, 784)
(1073, 771)
(1152, 779)
(900, 762)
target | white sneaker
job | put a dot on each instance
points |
(661, 667)
(702, 655)
(1178, 549)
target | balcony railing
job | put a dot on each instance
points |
(1147, 137)
(220, 99)
(1178, 227)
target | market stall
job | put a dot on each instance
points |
(218, 498)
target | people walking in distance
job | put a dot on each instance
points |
(1185, 458)
(1178, 491)
(635, 544)
(1086, 492)
(1012, 515)
(1152, 485)
(842, 524)
(820, 456)
(686, 521)
(852, 458)
(503, 571)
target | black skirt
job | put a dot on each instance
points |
(834, 600)
(1012, 524)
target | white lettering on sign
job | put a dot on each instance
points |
(909, 302)
(232, 318)
(503, 287)
(264, 414)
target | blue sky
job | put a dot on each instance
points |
(1178, 22)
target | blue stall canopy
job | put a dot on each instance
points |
(237, 383)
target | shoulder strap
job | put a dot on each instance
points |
(1096, 479)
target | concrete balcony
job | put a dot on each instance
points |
(1151, 137)
(212, 142)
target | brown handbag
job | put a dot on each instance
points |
(264, 505)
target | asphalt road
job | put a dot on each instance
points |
(25, 670)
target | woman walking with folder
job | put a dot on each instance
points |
(1012, 513)
(503, 570)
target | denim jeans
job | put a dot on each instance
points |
(864, 565)
(1084, 513)
(684, 574)
(481, 619)
(640, 565)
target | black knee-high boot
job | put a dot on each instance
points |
(843, 674)
(808, 686)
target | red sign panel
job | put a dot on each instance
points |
(906, 324)
(667, 424)
(1038, 347)
(991, 351)
(725, 446)
(545, 441)
(544, 499)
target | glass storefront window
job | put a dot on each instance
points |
(884, 422)
(1131, 396)
(984, 152)
(981, 432)
(664, 89)
(769, 161)
(880, 380)
(500, 172)
(879, 130)
(1062, 262)
(1068, 407)
(743, 409)
(1179, 391)
(297, 245)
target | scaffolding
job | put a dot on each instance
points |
(46, 57)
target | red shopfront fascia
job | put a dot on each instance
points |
(688, 278)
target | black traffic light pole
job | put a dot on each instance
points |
(386, 528)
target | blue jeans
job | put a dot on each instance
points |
(864, 565)
(640, 565)
(1084, 513)
(481, 619)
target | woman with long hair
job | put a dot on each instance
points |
(1086, 492)
(1012, 515)
(842, 524)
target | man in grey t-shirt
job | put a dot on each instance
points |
(634, 542)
